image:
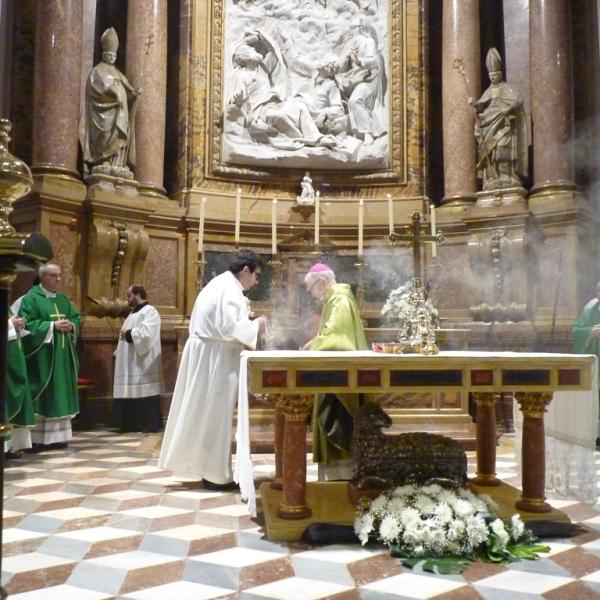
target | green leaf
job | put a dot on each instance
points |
(446, 565)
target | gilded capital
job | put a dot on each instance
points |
(533, 404)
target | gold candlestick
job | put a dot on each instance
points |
(360, 291)
(200, 275)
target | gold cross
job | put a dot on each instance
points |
(58, 317)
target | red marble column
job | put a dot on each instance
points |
(296, 409)
(277, 482)
(533, 452)
(57, 82)
(146, 61)
(460, 42)
(551, 95)
(486, 439)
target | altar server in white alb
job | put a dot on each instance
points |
(197, 439)
(138, 368)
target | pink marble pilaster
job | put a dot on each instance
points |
(57, 81)
(146, 61)
(551, 95)
(460, 41)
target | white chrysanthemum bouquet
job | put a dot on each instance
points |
(397, 307)
(445, 528)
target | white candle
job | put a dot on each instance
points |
(274, 227)
(201, 226)
(238, 210)
(361, 210)
(317, 218)
(434, 245)
(391, 212)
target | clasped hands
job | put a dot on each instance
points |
(18, 322)
(595, 333)
(63, 325)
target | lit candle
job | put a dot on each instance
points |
(274, 227)
(361, 210)
(391, 212)
(317, 218)
(201, 226)
(434, 245)
(238, 209)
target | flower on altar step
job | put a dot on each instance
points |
(435, 524)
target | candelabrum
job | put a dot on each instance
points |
(275, 264)
(200, 275)
(360, 291)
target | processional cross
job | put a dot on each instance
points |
(417, 238)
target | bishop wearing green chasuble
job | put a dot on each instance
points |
(340, 329)
(52, 364)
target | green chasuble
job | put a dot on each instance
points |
(52, 367)
(19, 408)
(332, 422)
(581, 330)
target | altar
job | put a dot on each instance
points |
(293, 377)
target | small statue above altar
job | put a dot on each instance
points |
(307, 194)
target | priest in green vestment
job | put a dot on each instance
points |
(586, 330)
(19, 408)
(340, 328)
(52, 364)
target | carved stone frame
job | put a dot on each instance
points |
(398, 138)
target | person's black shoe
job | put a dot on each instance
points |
(232, 486)
(57, 446)
(11, 455)
(35, 449)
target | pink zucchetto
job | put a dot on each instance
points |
(319, 267)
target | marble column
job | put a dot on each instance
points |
(57, 81)
(146, 61)
(551, 96)
(460, 42)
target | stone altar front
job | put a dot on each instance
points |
(294, 377)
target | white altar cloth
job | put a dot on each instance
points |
(570, 426)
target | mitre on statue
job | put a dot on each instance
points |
(109, 40)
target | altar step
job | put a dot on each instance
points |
(262, 437)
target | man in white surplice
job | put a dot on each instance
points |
(197, 439)
(138, 379)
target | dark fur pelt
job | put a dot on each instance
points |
(329, 533)
(554, 529)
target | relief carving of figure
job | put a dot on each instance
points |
(110, 114)
(306, 87)
(500, 130)
(363, 82)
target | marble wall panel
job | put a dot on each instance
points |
(454, 287)
(64, 242)
(161, 271)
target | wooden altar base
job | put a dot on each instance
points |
(330, 504)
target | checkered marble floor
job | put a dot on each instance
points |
(100, 521)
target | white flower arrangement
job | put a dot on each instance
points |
(397, 307)
(445, 528)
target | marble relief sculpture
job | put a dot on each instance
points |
(306, 84)
(110, 115)
(500, 130)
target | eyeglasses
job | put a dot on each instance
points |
(257, 273)
(313, 285)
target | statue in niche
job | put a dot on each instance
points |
(110, 115)
(317, 95)
(307, 195)
(500, 130)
